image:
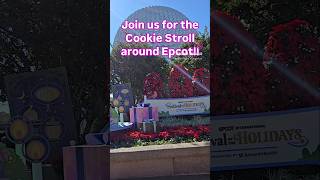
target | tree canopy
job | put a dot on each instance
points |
(58, 33)
(133, 69)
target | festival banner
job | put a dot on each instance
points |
(266, 139)
(181, 106)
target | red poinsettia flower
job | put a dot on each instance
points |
(153, 86)
(135, 135)
(180, 85)
(238, 80)
(201, 77)
(170, 132)
(164, 134)
(294, 46)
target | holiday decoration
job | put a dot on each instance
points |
(114, 116)
(122, 97)
(201, 76)
(140, 114)
(295, 46)
(148, 126)
(180, 84)
(170, 134)
(238, 77)
(153, 85)
(42, 115)
(19, 131)
(37, 149)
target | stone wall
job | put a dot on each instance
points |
(160, 160)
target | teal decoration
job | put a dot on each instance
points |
(114, 116)
(37, 171)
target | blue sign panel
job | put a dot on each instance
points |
(42, 99)
(122, 97)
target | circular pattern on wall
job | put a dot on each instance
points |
(19, 131)
(36, 149)
(47, 93)
(53, 130)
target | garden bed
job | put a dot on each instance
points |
(171, 131)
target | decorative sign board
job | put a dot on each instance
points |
(181, 106)
(122, 97)
(42, 99)
(37, 149)
(266, 139)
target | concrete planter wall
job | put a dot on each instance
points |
(160, 160)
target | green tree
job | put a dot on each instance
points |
(59, 33)
(133, 69)
(15, 57)
(191, 62)
(259, 16)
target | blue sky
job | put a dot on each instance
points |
(195, 10)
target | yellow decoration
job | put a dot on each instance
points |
(53, 130)
(126, 103)
(124, 91)
(31, 114)
(121, 109)
(19, 130)
(35, 150)
(47, 94)
(116, 103)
